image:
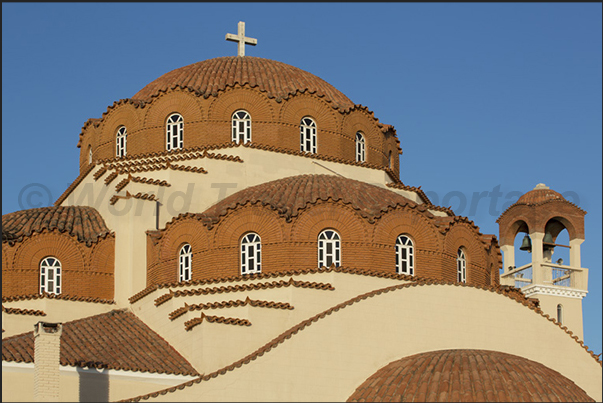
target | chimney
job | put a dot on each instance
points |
(47, 353)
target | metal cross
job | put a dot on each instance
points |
(240, 37)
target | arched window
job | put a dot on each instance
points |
(251, 254)
(50, 275)
(307, 129)
(241, 127)
(185, 263)
(329, 248)
(560, 314)
(391, 160)
(360, 148)
(120, 142)
(89, 154)
(461, 266)
(174, 129)
(405, 256)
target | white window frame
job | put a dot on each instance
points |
(185, 263)
(461, 266)
(251, 254)
(50, 275)
(360, 147)
(307, 130)
(405, 255)
(120, 142)
(241, 127)
(174, 132)
(329, 248)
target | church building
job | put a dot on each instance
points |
(240, 230)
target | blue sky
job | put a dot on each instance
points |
(486, 98)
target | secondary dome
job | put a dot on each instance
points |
(468, 376)
(278, 80)
(541, 193)
(290, 195)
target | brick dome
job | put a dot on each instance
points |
(290, 195)
(278, 80)
(541, 193)
(469, 376)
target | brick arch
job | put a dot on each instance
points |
(358, 120)
(512, 228)
(409, 221)
(121, 115)
(30, 253)
(102, 259)
(251, 218)
(462, 235)
(302, 105)
(256, 103)
(336, 215)
(188, 230)
(180, 101)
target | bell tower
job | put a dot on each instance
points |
(542, 214)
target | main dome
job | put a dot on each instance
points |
(278, 80)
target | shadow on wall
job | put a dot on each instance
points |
(94, 385)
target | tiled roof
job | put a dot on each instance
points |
(19, 311)
(82, 222)
(114, 340)
(468, 376)
(64, 297)
(288, 196)
(278, 80)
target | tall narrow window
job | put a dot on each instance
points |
(360, 148)
(120, 142)
(560, 314)
(307, 130)
(329, 248)
(391, 160)
(185, 263)
(241, 127)
(461, 266)
(174, 129)
(405, 256)
(251, 254)
(89, 155)
(50, 276)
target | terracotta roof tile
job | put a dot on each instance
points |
(189, 324)
(278, 80)
(288, 196)
(228, 304)
(64, 297)
(82, 222)
(19, 311)
(468, 375)
(114, 340)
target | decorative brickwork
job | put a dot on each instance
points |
(289, 214)
(87, 272)
(207, 101)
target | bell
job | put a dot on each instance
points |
(548, 238)
(526, 244)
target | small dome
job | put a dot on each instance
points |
(290, 195)
(278, 80)
(541, 193)
(468, 376)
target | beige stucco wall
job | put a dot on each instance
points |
(329, 359)
(572, 311)
(77, 384)
(210, 346)
(194, 192)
